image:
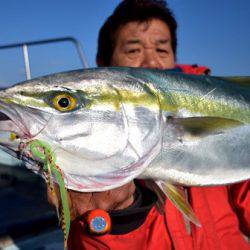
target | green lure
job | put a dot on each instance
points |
(43, 151)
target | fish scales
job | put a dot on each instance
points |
(108, 126)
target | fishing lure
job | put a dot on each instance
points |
(42, 151)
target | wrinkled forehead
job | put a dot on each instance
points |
(153, 28)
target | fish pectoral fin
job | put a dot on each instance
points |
(203, 126)
(177, 196)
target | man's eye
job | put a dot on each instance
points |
(133, 51)
(162, 51)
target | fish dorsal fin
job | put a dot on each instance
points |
(202, 126)
(240, 80)
(177, 196)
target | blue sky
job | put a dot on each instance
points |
(215, 33)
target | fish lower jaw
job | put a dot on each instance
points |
(14, 135)
(14, 128)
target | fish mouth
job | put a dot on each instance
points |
(12, 133)
(14, 126)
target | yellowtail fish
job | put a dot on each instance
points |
(97, 129)
(107, 126)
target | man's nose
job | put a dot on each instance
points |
(150, 59)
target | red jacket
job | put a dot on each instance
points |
(193, 69)
(224, 213)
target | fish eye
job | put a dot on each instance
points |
(64, 102)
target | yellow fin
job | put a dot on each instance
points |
(177, 197)
(201, 126)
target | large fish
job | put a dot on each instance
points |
(107, 126)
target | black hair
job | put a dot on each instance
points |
(129, 11)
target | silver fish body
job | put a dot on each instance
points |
(126, 123)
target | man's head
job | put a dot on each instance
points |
(140, 33)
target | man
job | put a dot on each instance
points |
(142, 33)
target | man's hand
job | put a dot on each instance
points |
(118, 198)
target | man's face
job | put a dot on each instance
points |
(146, 45)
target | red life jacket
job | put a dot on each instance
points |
(224, 213)
(193, 69)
